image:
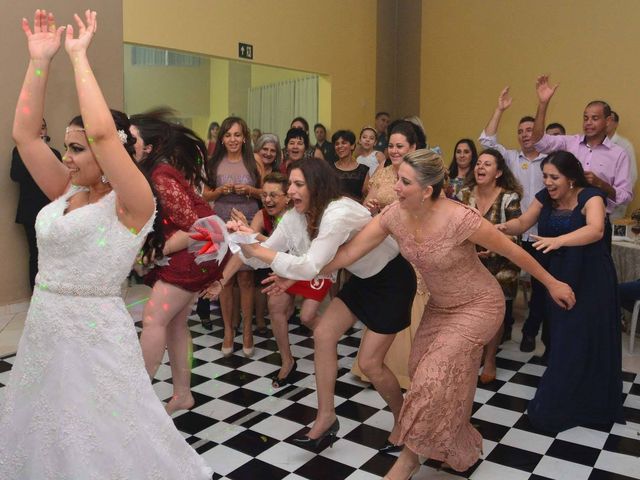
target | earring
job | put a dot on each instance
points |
(104, 178)
(571, 185)
(422, 201)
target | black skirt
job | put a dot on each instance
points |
(382, 302)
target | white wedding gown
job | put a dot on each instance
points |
(79, 403)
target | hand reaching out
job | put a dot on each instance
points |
(544, 89)
(44, 40)
(85, 33)
(547, 244)
(239, 217)
(504, 99)
(276, 285)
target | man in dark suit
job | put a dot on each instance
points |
(30, 202)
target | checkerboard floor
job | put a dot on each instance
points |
(242, 427)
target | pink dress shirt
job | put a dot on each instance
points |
(607, 160)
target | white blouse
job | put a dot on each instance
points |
(341, 221)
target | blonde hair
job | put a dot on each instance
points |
(429, 168)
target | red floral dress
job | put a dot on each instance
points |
(181, 206)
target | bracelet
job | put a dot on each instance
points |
(221, 284)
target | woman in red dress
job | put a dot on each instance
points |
(172, 156)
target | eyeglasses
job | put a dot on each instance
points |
(271, 195)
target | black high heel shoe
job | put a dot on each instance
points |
(314, 443)
(277, 382)
(207, 322)
(389, 447)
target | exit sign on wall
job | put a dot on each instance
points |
(245, 51)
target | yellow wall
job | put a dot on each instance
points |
(471, 50)
(332, 37)
(61, 105)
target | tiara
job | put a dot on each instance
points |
(122, 135)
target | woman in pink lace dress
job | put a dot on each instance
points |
(438, 236)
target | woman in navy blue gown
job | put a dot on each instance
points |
(583, 381)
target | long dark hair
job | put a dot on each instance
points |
(568, 165)
(154, 243)
(453, 168)
(221, 151)
(507, 181)
(323, 185)
(175, 144)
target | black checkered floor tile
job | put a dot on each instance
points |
(242, 427)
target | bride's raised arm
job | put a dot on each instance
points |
(43, 42)
(132, 188)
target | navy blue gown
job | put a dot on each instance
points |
(582, 384)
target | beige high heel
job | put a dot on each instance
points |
(413, 472)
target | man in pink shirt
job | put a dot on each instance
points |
(606, 165)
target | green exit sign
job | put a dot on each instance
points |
(245, 51)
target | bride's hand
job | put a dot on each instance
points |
(44, 40)
(85, 33)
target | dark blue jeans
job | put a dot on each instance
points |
(629, 293)
(537, 305)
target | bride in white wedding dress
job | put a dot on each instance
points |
(79, 403)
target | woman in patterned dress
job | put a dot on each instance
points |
(439, 236)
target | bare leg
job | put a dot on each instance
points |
(280, 309)
(309, 313)
(406, 465)
(373, 348)
(166, 301)
(261, 307)
(237, 309)
(180, 348)
(245, 283)
(226, 307)
(330, 327)
(489, 370)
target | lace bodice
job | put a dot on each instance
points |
(447, 261)
(87, 251)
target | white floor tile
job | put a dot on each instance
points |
(619, 463)
(533, 369)
(349, 453)
(630, 430)
(494, 471)
(220, 432)
(211, 370)
(271, 405)
(276, 427)
(286, 456)
(218, 409)
(584, 436)
(517, 390)
(558, 469)
(369, 397)
(498, 415)
(531, 441)
(224, 460)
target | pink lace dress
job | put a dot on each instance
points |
(464, 311)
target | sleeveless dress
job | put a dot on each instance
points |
(582, 384)
(79, 403)
(446, 351)
(236, 173)
(352, 181)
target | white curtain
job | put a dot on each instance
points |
(272, 107)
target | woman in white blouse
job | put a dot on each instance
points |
(379, 293)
